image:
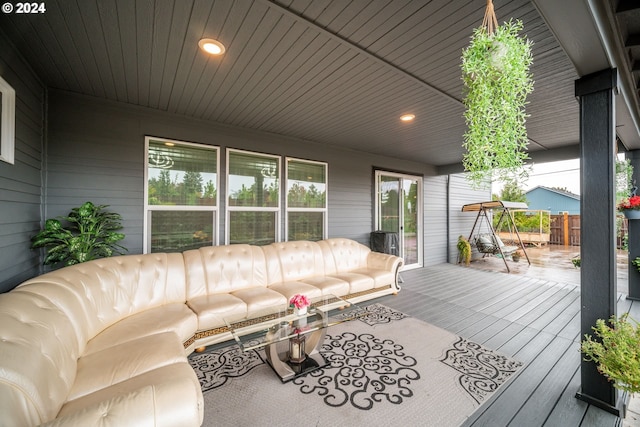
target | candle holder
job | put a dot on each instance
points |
(297, 353)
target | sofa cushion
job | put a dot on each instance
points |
(328, 285)
(343, 255)
(222, 269)
(212, 310)
(292, 261)
(166, 396)
(126, 360)
(289, 289)
(258, 299)
(380, 277)
(177, 318)
(357, 282)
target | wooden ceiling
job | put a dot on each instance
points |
(333, 71)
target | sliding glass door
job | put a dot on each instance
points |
(399, 210)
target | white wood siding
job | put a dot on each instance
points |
(460, 223)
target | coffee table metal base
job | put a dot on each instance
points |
(286, 370)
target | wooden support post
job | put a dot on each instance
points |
(565, 228)
(598, 294)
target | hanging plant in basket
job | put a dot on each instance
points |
(495, 71)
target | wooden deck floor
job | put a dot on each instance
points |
(536, 321)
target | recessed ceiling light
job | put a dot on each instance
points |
(169, 144)
(214, 47)
(407, 117)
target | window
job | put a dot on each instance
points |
(181, 195)
(7, 121)
(306, 200)
(253, 197)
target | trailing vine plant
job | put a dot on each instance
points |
(495, 71)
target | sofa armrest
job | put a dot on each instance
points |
(382, 261)
(386, 262)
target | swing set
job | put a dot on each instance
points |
(488, 242)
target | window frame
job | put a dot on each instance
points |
(7, 122)
(277, 209)
(148, 209)
(324, 210)
(420, 226)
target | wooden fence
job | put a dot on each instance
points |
(565, 230)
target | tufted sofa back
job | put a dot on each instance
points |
(39, 353)
(289, 261)
(114, 288)
(216, 269)
(73, 305)
(341, 255)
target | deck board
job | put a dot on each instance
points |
(568, 410)
(543, 399)
(534, 320)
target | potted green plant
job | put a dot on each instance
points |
(616, 351)
(495, 71)
(90, 234)
(464, 250)
(576, 261)
(516, 256)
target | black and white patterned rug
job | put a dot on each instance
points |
(384, 368)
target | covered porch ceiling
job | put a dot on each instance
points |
(332, 71)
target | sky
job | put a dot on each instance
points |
(565, 173)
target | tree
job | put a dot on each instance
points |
(512, 192)
(209, 190)
(164, 186)
(624, 182)
(192, 183)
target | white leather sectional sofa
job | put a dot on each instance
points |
(106, 342)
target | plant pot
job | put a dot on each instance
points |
(497, 55)
(631, 214)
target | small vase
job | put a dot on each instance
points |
(631, 214)
(300, 311)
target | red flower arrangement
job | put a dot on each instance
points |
(300, 301)
(632, 203)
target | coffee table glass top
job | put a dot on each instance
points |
(253, 332)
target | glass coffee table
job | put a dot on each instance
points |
(292, 342)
